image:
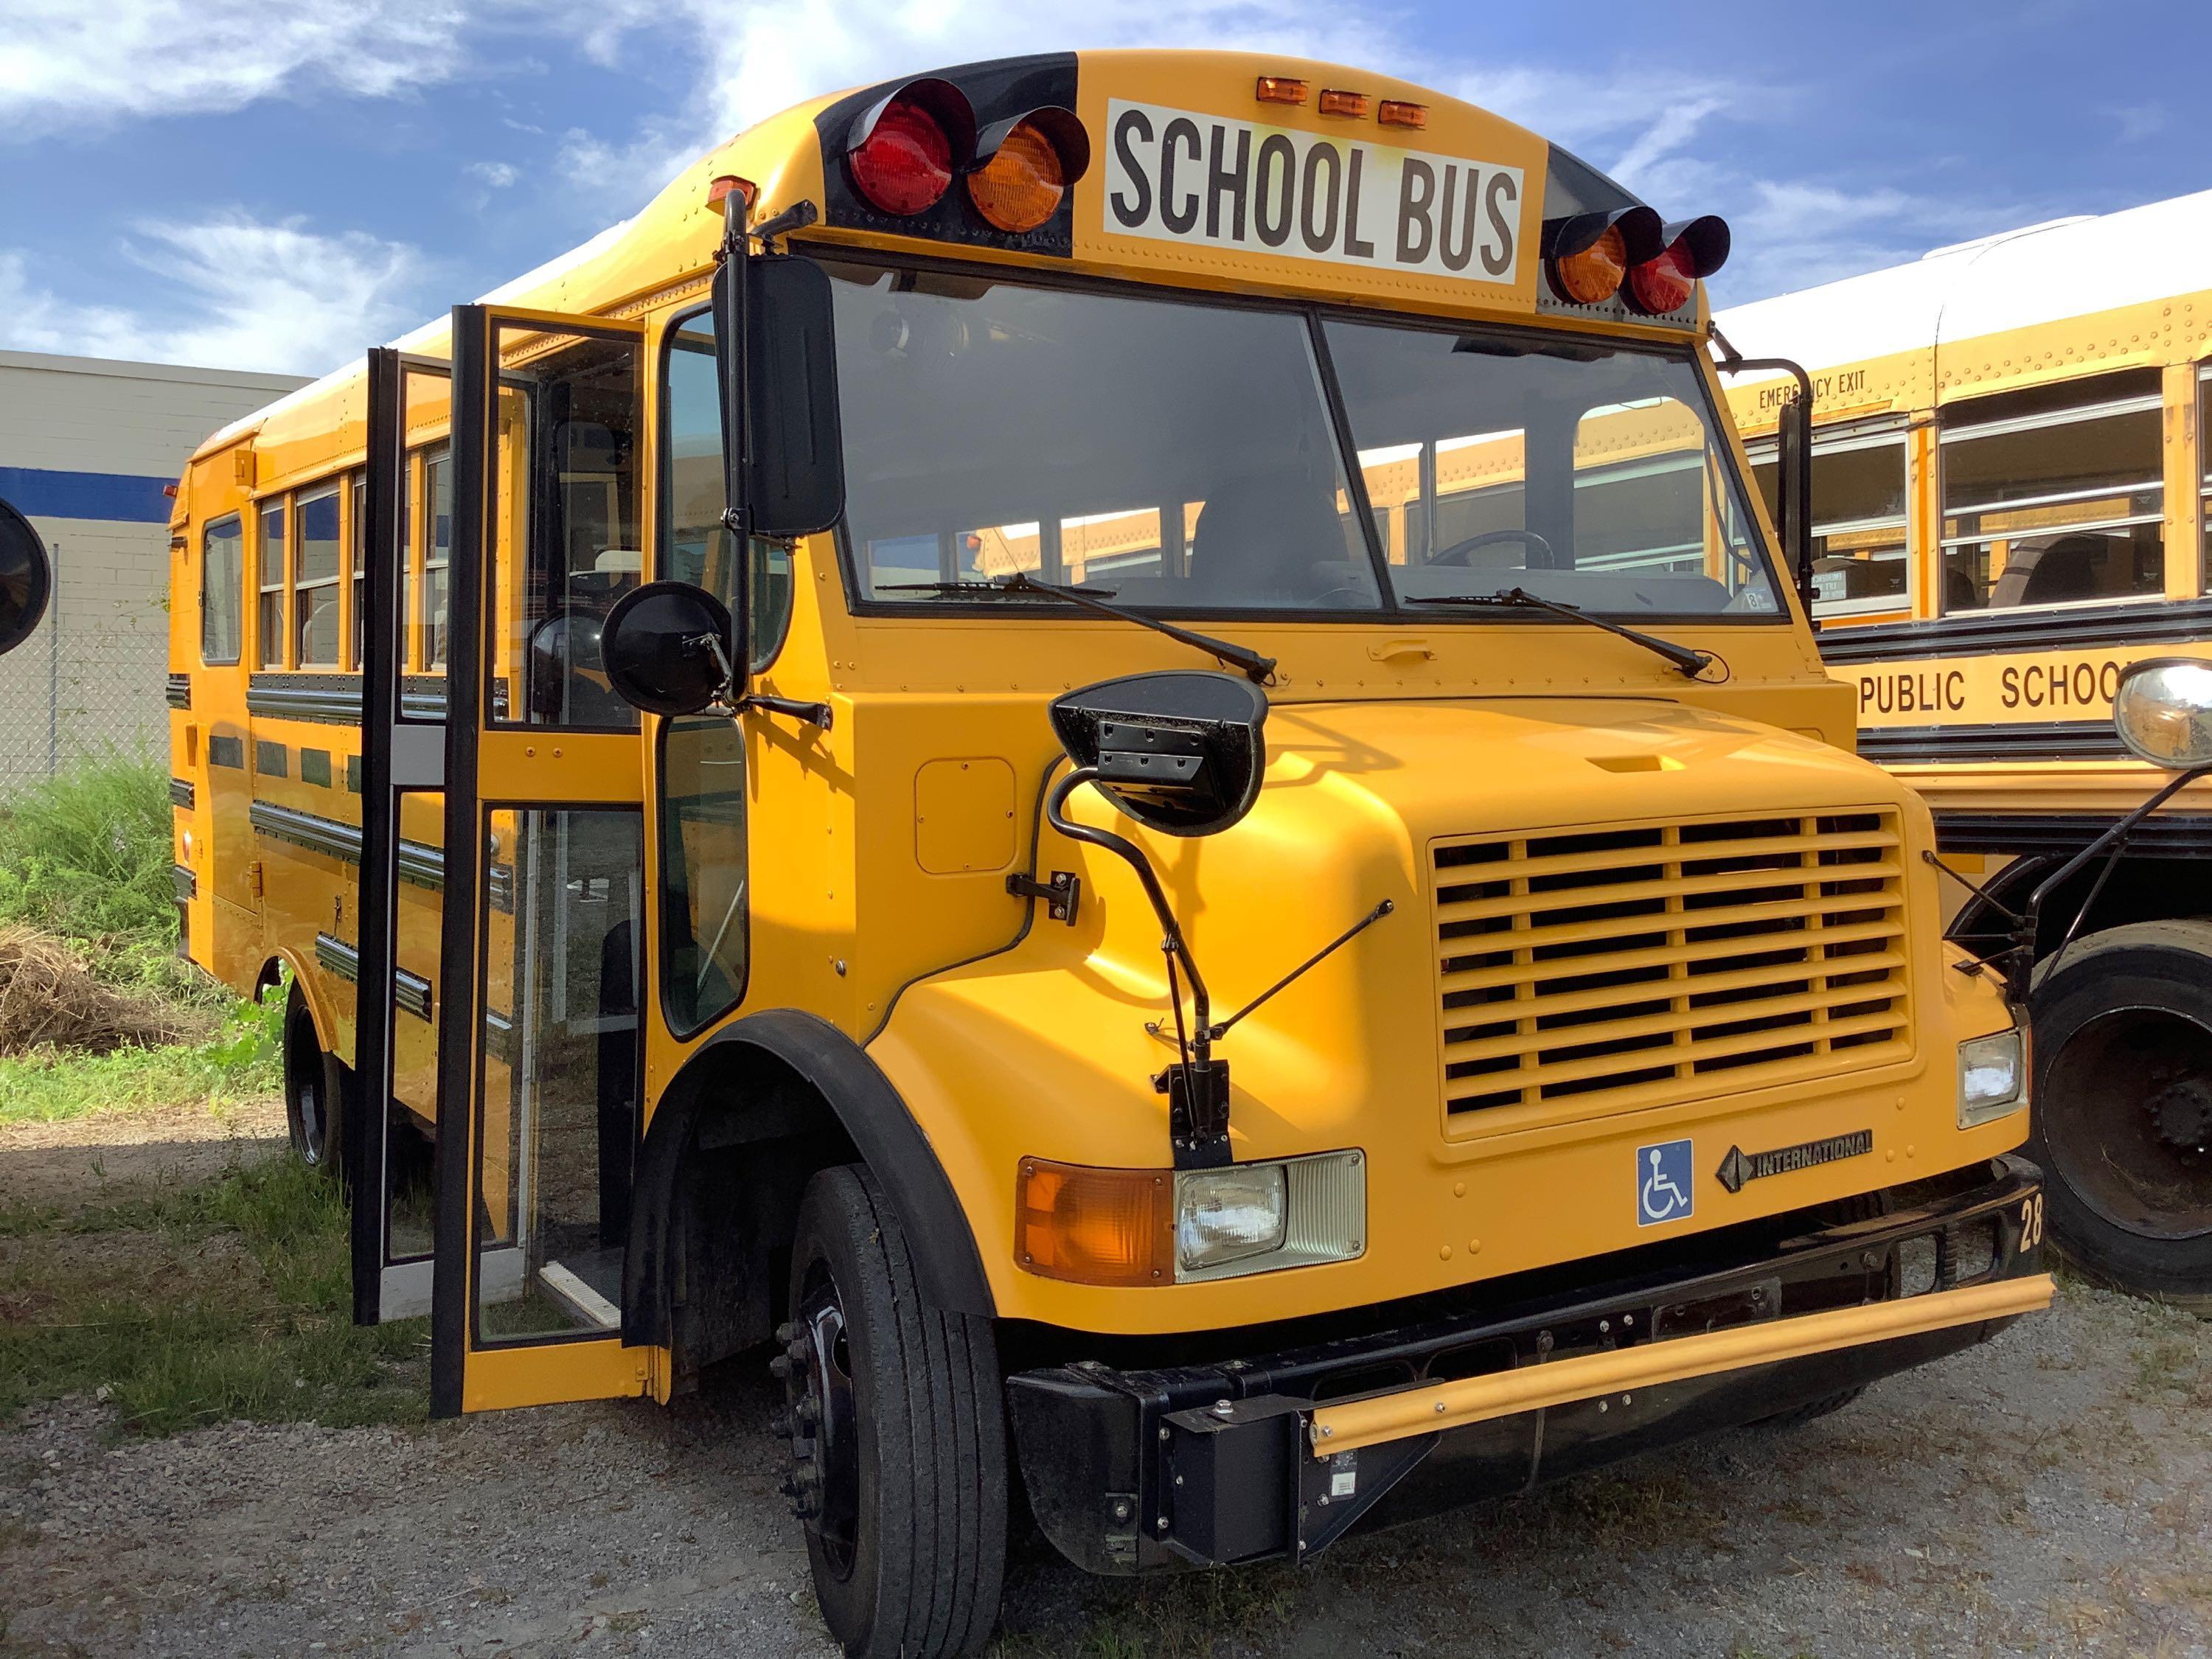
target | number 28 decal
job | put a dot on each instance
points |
(2031, 1222)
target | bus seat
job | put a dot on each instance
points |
(2066, 567)
(1260, 540)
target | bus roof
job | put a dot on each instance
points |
(664, 251)
(2041, 273)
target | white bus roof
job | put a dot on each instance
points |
(2038, 274)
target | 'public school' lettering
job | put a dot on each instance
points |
(1181, 177)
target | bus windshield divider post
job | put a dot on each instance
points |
(730, 299)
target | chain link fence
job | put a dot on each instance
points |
(92, 677)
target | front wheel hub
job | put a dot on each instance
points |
(820, 1421)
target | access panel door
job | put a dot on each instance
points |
(540, 1059)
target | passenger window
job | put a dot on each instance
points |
(269, 635)
(703, 870)
(358, 556)
(1860, 559)
(2204, 457)
(315, 586)
(694, 546)
(222, 574)
(2055, 496)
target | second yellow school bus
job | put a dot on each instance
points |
(917, 760)
(2008, 493)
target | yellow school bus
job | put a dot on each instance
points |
(2008, 487)
(1105, 751)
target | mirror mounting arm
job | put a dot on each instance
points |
(1197, 1086)
(2020, 970)
(734, 703)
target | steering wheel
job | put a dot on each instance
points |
(1457, 552)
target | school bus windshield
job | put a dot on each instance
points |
(1197, 467)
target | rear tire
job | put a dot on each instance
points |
(898, 1434)
(2122, 1115)
(314, 1092)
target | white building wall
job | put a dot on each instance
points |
(86, 446)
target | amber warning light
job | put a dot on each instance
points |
(1654, 267)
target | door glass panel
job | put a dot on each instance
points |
(562, 893)
(702, 920)
(565, 538)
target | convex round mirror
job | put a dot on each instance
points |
(1180, 752)
(662, 648)
(2163, 711)
(27, 578)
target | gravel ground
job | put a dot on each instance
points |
(2046, 1494)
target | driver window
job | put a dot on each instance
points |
(695, 548)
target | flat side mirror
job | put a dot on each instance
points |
(1180, 752)
(27, 579)
(794, 484)
(2162, 710)
(665, 649)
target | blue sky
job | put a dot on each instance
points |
(258, 187)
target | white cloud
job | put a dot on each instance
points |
(68, 62)
(235, 293)
(755, 59)
(498, 174)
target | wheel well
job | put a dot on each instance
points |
(2139, 888)
(271, 976)
(729, 1179)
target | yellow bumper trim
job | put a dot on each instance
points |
(1389, 1417)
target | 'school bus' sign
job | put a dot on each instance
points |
(1178, 176)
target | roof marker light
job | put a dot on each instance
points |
(1335, 100)
(1393, 112)
(728, 185)
(1280, 90)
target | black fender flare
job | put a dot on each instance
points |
(873, 1116)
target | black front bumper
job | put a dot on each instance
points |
(1133, 1470)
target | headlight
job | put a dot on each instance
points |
(1992, 1078)
(1226, 1215)
(1098, 1226)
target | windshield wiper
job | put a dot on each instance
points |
(1260, 670)
(1689, 662)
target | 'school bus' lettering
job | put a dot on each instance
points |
(1179, 176)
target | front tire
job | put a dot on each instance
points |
(898, 1434)
(314, 1089)
(2122, 1113)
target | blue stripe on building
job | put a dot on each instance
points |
(115, 497)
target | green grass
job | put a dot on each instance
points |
(228, 1300)
(243, 1058)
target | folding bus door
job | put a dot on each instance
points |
(540, 1056)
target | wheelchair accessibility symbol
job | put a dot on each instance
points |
(1664, 1181)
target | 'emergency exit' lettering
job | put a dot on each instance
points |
(1178, 176)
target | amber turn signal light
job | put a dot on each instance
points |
(1026, 165)
(1095, 1226)
(1593, 275)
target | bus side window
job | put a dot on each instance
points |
(222, 574)
(1860, 558)
(703, 868)
(315, 590)
(2055, 494)
(694, 548)
(268, 567)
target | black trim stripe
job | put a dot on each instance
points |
(1924, 745)
(334, 699)
(420, 863)
(1981, 634)
(408, 990)
(186, 884)
(226, 752)
(2164, 835)
(180, 690)
(181, 793)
